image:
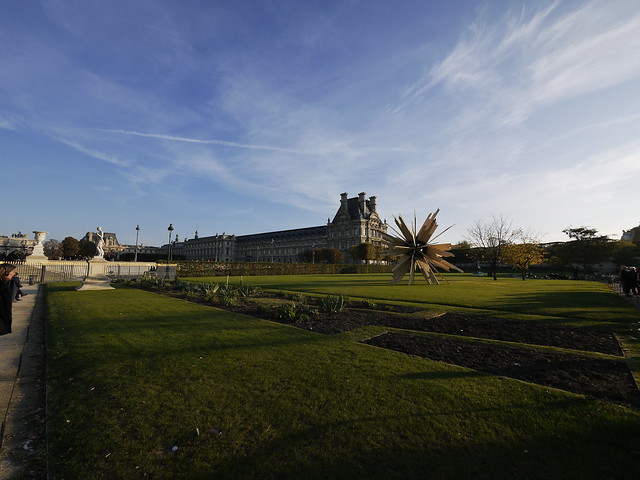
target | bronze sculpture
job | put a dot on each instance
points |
(416, 252)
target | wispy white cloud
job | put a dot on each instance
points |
(529, 61)
(109, 158)
(8, 124)
(205, 142)
(466, 116)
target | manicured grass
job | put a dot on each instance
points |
(133, 374)
(566, 301)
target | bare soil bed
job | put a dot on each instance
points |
(605, 379)
(602, 378)
(471, 326)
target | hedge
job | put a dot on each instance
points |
(217, 269)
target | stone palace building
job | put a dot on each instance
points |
(355, 222)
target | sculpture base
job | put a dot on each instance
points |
(96, 279)
(95, 284)
(36, 259)
(37, 256)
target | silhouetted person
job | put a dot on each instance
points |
(7, 271)
(626, 279)
(633, 281)
(15, 286)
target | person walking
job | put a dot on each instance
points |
(625, 280)
(15, 286)
(7, 272)
(633, 281)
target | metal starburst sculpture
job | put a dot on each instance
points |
(416, 252)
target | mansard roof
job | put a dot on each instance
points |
(356, 208)
(284, 234)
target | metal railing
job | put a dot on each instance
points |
(68, 271)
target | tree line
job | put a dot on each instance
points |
(69, 249)
(496, 242)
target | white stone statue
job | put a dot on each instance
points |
(100, 243)
(38, 250)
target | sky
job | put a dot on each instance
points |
(251, 116)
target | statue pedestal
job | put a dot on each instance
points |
(97, 278)
(38, 256)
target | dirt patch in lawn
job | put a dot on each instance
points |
(470, 326)
(603, 378)
(600, 378)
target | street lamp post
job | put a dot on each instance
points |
(272, 248)
(313, 253)
(170, 229)
(135, 258)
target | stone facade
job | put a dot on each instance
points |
(355, 222)
(283, 246)
(217, 248)
(16, 247)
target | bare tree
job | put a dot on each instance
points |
(490, 237)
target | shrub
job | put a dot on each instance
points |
(368, 303)
(148, 281)
(287, 312)
(332, 303)
(229, 300)
(299, 298)
(211, 292)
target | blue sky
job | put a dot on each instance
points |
(250, 116)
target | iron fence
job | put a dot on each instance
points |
(77, 271)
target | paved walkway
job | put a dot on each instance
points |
(21, 354)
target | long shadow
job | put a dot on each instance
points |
(582, 305)
(442, 375)
(601, 452)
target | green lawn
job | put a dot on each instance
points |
(133, 374)
(564, 301)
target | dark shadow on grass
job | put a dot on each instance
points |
(62, 287)
(441, 375)
(581, 305)
(605, 450)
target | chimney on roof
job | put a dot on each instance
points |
(361, 201)
(343, 201)
(372, 204)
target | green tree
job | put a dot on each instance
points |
(463, 252)
(586, 247)
(87, 248)
(522, 255)
(70, 247)
(329, 255)
(626, 253)
(308, 256)
(364, 252)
